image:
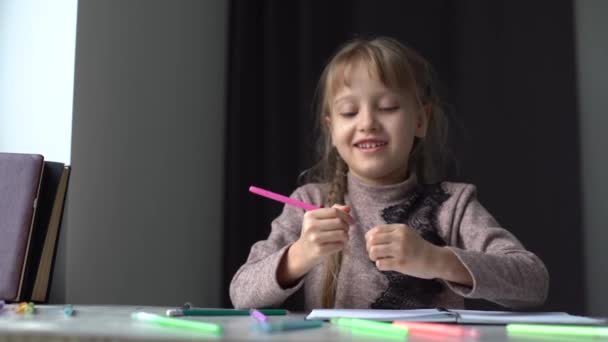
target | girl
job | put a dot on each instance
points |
(390, 234)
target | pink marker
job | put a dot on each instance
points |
(287, 200)
(281, 198)
(437, 328)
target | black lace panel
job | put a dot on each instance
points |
(419, 211)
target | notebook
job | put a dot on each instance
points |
(20, 176)
(456, 316)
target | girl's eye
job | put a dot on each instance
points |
(389, 108)
(348, 114)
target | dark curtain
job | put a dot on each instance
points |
(508, 75)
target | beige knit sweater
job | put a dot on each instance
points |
(445, 214)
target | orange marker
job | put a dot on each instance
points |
(21, 307)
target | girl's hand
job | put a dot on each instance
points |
(397, 247)
(324, 232)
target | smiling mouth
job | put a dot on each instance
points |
(370, 145)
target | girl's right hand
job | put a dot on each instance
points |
(324, 232)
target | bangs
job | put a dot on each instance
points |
(384, 65)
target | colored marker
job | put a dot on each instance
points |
(20, 308)
(178, 323)
(564, 330)
(369, 325)
(222, 312)
(439, 329)
(287, 200)
(23, 308)
(289, 325)
(281, 198)
(258, 316)
(68, 310)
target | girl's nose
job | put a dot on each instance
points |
(367, 120)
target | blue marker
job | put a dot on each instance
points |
(68, 310)
(289, 325)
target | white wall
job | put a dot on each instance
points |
(592, 56)
(37, 39)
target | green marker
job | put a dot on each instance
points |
(288, 325)
(178, 323)
(566, 330)
(368, 325)
(223, 312)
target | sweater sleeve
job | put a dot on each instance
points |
(255, 284)
(503, 271)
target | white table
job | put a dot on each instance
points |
(114, 323)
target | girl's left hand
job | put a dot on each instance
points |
(397, 247)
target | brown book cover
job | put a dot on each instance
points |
(52, 192)
(45, 232)
(20, 177)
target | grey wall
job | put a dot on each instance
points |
(143, 219)
(592, 47)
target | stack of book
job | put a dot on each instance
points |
(32, 194)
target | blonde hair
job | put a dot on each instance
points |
(398, 67)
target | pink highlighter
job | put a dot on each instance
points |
(287, 200)
(281, 198)
(438, 329)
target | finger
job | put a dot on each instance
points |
(386, 264)
(375, 230)
(344, 208)
(379, 238)
(329, 237)
(321, 213)
(386, 228)
(334, 236)
(328, 225)
(343, 212)
(327, 213)
(380, 252)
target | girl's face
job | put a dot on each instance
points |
(373, 127)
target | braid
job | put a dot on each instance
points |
(338, 184)
(332, 263)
